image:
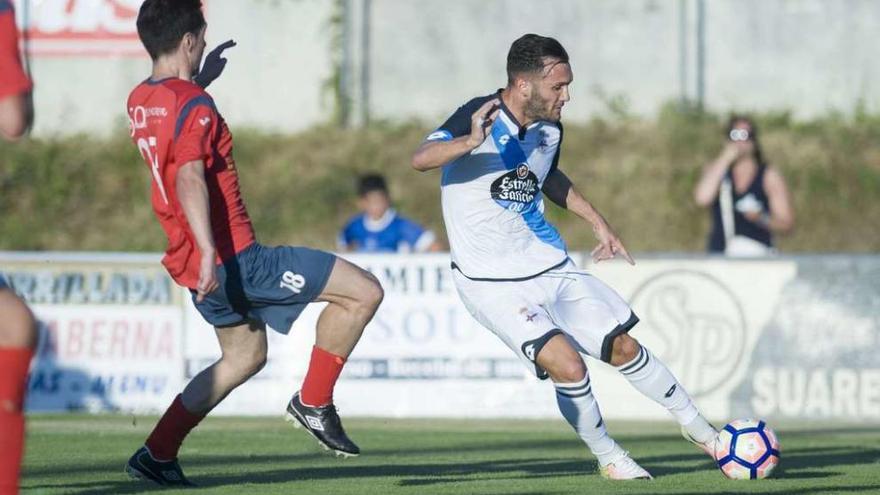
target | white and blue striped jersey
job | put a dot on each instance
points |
(492, 202)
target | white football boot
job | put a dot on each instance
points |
(707, 447)
(624, 468)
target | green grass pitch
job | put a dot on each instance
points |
(78, 454)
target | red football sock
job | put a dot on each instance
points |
(11, 450)
(14, 363)
(324, 370)
(165, 440)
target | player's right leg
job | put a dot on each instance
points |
(18, 335)
(599, 320)
(353, 295)
(578, 406)
(243, 354)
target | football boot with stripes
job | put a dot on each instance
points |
(322, 423)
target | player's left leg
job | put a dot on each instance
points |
(243, 350)
(18, 336)
(650, 376)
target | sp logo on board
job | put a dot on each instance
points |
(696, 325)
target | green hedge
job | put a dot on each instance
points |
(86, 193)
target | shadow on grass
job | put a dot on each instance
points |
(411, 475)
(803, 463)
(199, 460)
(797, 464)
(631, 440)
(796, 491)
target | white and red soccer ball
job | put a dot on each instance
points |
(747, 449)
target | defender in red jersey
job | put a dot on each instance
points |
(175, 122)
(238, 285)
(18, 332)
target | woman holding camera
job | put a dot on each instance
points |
(750, 201)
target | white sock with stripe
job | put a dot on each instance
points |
(579, 407)
(653, 379)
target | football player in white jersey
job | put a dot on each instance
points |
(499, 156)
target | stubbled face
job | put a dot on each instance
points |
(549, 91)
(741, 136)
(195, 49)
(374, 204)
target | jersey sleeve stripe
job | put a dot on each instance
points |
(439, 135)
(190, 105)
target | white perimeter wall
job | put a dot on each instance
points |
(777, 338)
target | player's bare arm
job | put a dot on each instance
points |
(16, 116)
(559, 189)
(435, 154)
(192, 192)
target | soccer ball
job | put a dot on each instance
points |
(747, 449)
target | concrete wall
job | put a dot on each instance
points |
(451, 51)
(273, 80)
(424, 58)
(809, 56)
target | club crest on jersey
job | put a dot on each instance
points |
(543, 145)
(522, 170)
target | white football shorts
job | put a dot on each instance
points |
(564, 300)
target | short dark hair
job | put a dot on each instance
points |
(371, 182)
(161, 24)
(527, 54)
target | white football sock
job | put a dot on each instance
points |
(579, 407)
(653, 379)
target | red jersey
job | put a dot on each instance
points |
(13, 80)
(174, 122)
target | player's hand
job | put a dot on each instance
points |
(609, 244)
(213, 65)
(481, 122)
(207, 277)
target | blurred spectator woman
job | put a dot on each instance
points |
(749, 199)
